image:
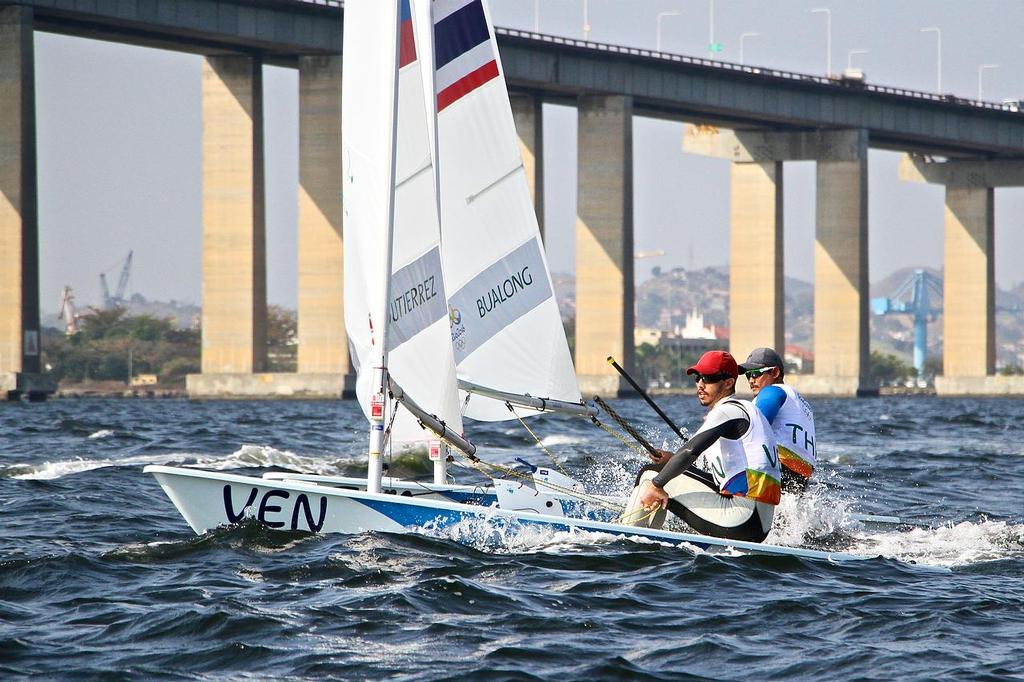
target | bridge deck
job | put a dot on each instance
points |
(665, 85)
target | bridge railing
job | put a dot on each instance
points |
(760, 71)
(741, 68)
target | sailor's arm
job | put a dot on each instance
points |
(769, 400)
(731, 426)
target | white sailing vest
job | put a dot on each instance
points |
(748, 467)
(794, 433)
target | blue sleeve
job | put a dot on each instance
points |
(769, 400)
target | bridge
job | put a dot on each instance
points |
(757, 118)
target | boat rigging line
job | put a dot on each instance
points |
(643, 394)
(626, 426)
(539, 442)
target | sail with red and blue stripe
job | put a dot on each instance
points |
(407, 44)
(464, 54)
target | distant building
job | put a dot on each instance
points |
(695, 328)
(642, 335)
(145, 380)
(800, 358)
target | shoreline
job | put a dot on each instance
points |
(91, 392)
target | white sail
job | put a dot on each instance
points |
(505, 324)
(419, 352)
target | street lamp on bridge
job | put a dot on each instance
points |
(938, 55)
(662, 15)
(744, 36)
(849, 57)
(828, 37)
(981, 70)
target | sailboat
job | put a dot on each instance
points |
(449, 304)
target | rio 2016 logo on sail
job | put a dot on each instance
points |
(458, 328)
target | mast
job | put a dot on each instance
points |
(378, 411)
(424, 21)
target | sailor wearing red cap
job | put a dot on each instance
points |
(724, 481)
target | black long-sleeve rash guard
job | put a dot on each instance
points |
(726, 420)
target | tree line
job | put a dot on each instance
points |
(114, 346)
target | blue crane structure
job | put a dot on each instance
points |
(914, 297)
(112, 301)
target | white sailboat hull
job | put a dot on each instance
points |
(208, 500)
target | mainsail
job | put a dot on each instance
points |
(414, 318)
(505, 326)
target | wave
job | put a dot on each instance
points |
(561, 439)
(247, 456)
(826, 520)
(262, 456)
(51, 470)
(959, 544)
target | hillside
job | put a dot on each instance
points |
(663, 301)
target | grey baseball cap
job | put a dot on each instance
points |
(760, 358)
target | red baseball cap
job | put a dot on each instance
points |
(715, 362)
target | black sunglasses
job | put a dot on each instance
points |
(709, 378)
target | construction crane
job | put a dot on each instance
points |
(122, 284)
(67, 311)
(913, 297)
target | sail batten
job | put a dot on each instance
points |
(473, 197)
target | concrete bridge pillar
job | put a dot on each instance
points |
(757, 294)
(234, 233)
(323, 345)
(969, 292)
(19, 216)
(604, 242)
(756, 288)
(841, 295)
(968, 309)
(526, 111)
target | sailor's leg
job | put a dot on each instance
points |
(635, 515)
(695, 499)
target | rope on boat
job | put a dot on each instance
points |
(542, 447)
(626, 426)
(613, 432)
(478, 465)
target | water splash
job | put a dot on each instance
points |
(952, 544)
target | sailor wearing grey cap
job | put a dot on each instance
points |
(789, 414)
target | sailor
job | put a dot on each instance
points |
(789, 414)
(724, 481)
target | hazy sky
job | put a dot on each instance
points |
(119, 142)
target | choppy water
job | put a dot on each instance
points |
(100, 576)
